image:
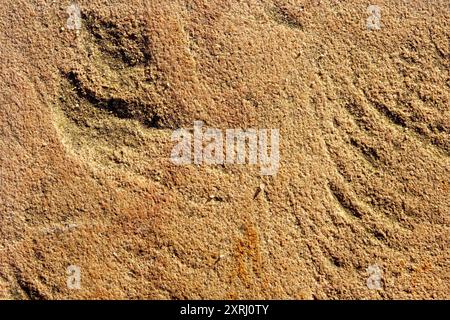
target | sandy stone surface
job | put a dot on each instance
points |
(362, 191)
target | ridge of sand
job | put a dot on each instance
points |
(86, 119)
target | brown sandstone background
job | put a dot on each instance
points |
(86, 121)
